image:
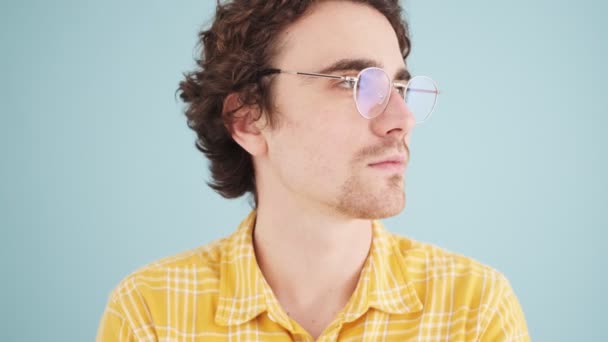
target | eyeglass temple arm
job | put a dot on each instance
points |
(406, 88)
(424, 90)
(310, 74)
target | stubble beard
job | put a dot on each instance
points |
(360, 200)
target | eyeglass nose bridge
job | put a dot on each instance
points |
(402, 90)
(394, 90)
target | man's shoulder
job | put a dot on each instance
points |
(442, 277)
(449, 284)
(199, 266)
(428, 259)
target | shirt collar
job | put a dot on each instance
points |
(243, 290)
(384, 283)
(244, 293)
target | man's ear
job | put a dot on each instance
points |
(245, 125)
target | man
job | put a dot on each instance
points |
(308, 106)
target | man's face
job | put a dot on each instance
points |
(322, 149)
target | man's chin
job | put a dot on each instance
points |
(387, 212)
(373, 199)
(385, 208)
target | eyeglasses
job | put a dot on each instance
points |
(372, 90)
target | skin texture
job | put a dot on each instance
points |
(317, 192)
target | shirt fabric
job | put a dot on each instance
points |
(407, 291)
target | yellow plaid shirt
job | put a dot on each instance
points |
(407, 291)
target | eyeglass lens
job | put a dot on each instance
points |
(372, 94)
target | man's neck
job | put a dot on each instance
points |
(309, 258)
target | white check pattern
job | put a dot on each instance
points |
(408, 291)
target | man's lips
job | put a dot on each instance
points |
(394, 164)
(395, 159)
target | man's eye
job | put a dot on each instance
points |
(401, 91)
(347, 84)
(402, 88)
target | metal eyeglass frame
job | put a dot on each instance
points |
(402, 88)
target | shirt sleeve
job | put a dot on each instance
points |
(506, 318)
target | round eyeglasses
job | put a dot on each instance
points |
(372, 91)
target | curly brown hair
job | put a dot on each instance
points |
(237, 47)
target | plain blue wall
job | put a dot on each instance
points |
(100, 175)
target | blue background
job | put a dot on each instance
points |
(100, 176)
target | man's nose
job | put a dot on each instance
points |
(397, 118)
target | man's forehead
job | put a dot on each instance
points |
(351, 38)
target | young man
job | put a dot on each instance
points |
(308, 106)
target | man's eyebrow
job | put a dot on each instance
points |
(358, 64)
(350, 64)
(403, 75)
